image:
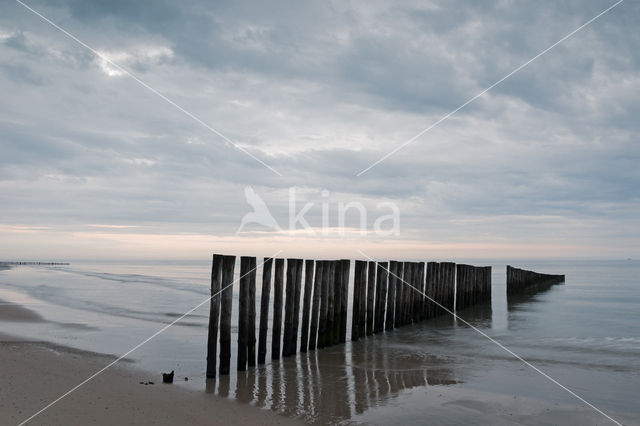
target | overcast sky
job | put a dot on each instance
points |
(95, 165)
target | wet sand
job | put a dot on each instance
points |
(34, 374)
(14, 312)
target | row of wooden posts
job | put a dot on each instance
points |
(522, 281)
(386, 295)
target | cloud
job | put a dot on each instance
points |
(320, 91)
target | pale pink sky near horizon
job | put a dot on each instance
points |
(47, 243)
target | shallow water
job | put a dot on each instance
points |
(585, 334)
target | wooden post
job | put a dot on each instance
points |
(371, 291)
(243, 312)
(473, 299)
(488, 283)
(397, 320)
(376, 303)
(359, 279)
(363, 301)
(429, 285)
(317, 292)
(406, 296)
(308, 286)
(277, 309)
(264, 309)
(381, 280)
(228, 266)
(289, 307)
(329, 337)
(409, 293)
(461, 286)
(412, 292)
(391, 297)
(214, 315)
(418, 300)
(251, 323)
(438, 288)
(324, 305)
(337, 303)
(296, 308)
(345, 269)
(450, 268)
(459, 279)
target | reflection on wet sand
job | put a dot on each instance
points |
(334, 384)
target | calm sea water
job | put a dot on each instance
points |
(585, 334)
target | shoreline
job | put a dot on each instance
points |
(37, 373)
(370, 382)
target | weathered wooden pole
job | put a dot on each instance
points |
(371, 292)
(228, 266)
(391, 296)
(324, 305)
(418, 301)
(337, 303)
(331, 280)
(429, 285)
(406, 294)
(363, 301)
(438, 288)
(472, 283)
(290, 290)
(296, 308)
(377, 301)
(243, 312)
(414, 293)
(330, 336)
(424, 303)
(459, 283)
(264, 309)
(214, 314)
(317, 292)
(251, 323)
(359, 279)
(345, 269)
(382, 277)
(461, 286)
(308, 287)
(488, 283)
(277, 309)
(397, 314)
(450, 267)
(410, 293)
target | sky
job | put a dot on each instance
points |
(151, 155)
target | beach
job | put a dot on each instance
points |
(36, 373)
(73, 320)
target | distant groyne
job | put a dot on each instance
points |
(33, 263)
(521, 281)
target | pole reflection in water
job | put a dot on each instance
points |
(337, 383)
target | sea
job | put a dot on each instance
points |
(567, 355)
